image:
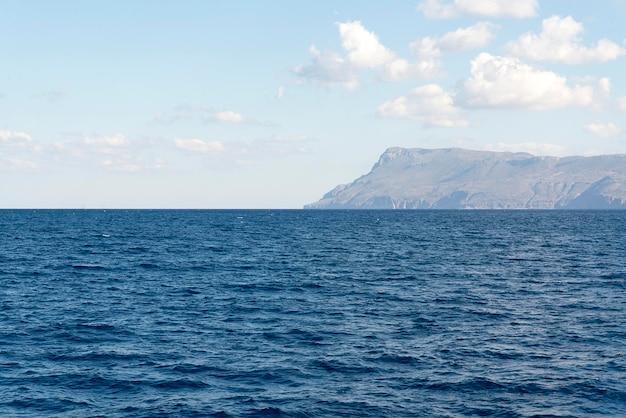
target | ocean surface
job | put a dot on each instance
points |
(295, 313)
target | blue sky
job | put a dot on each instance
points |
(248, 104)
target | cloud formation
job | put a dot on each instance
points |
(198, 146)
(437, 9)
(471, 37)
(364, 51)
(328, 68)
(15, 139)
(228, 116)
(364, 47)
(94, 146)
(17, 150)
(560, 41)
(130, 164)
(507, 82)
(106, 144)
(428, 104)
(280, 92)
(603, 130)
(188, 112)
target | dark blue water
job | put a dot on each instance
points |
(312, 313)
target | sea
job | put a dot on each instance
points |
(304, 313)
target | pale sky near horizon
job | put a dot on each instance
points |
(249, 104)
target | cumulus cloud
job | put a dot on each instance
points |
(363, 51)
(429, 50)
(364, 47)
(366, 52)
(529, 147)
(560, 41)
(17, 150)
(507, 82)
(228, 116)
(603, 130)
(280, 92)
(16, 139)
(199, 146)
(471, 37)
(437, 9)
(621, 103)
(428, 104)
(328, 68)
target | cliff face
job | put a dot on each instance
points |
(463, 179)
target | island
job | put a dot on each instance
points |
(454, 178)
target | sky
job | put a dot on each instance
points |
(250, 104)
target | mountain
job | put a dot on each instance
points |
(456, 178)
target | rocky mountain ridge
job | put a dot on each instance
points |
(455, 178)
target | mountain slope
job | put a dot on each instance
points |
(462, 179)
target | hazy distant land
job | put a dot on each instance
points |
(456, 178)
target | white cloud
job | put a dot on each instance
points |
(401, 69)
(603, 130)
(428, 104)
(559, 41)
(188, 112)
(17, 139)
(604, 87)
(280, 92)
(90, 146)
(328, 68)
(621, 103)
(507, 82)
(364, 51)
(114, 152)
(115, 141)
(16, 150)
(436, 9)
(529, 147)
(228, 116)
(471, 37)
(364, 48)
(199, 146)
(105, 144)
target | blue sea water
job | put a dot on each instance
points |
(300, 313)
